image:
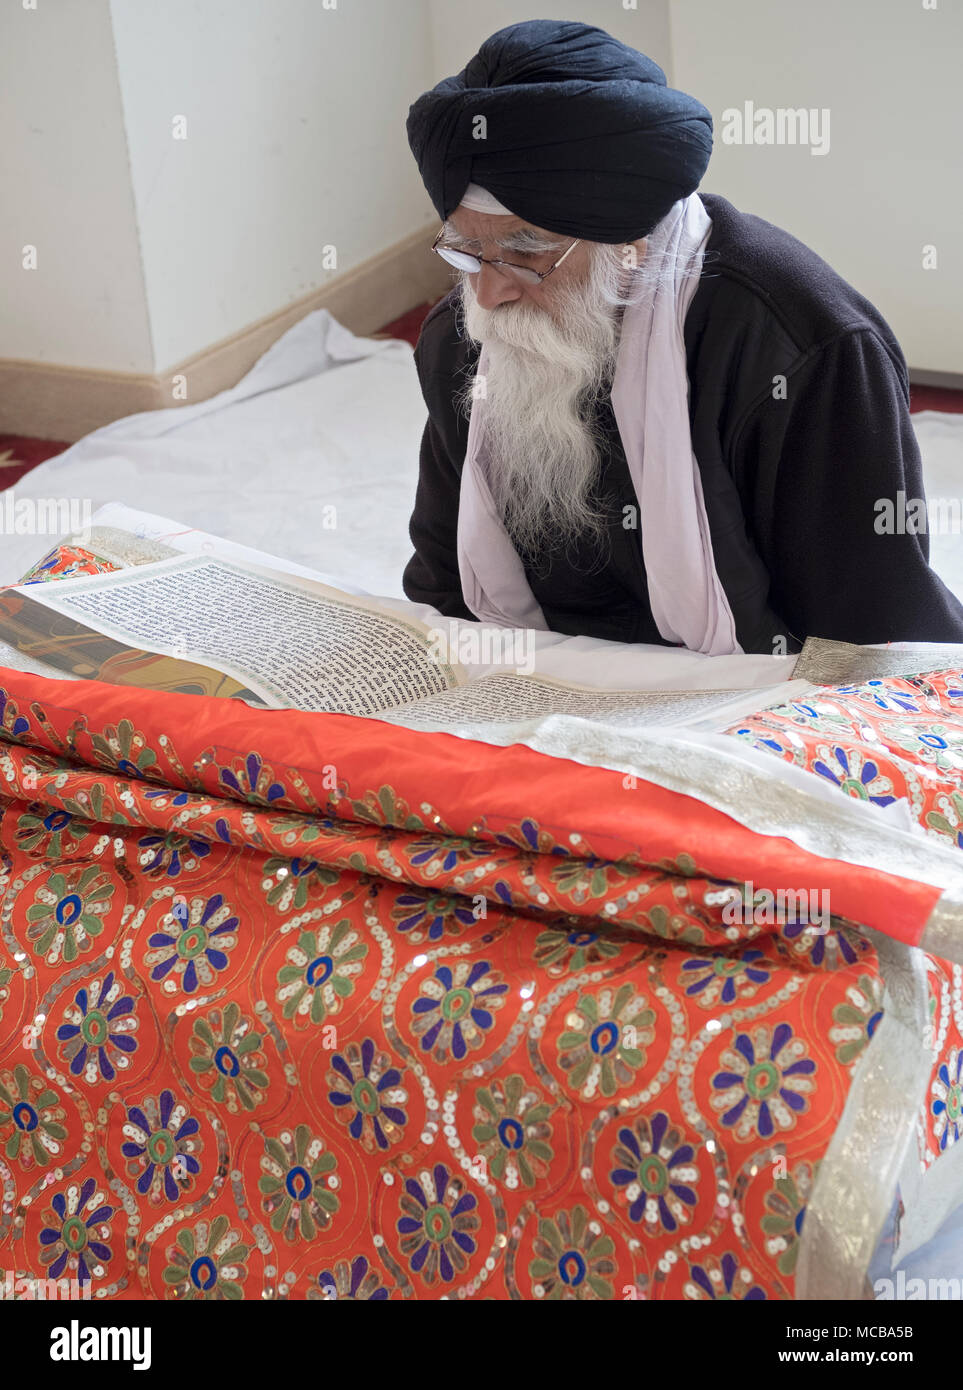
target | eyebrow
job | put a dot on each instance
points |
(523, 239)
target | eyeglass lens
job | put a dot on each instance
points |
(461, 260)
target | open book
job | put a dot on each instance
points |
(190, 613)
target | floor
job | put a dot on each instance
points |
(19, 454)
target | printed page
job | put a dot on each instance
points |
(505, 700)
(479, 649)
(296, 643)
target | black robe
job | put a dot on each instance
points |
(791, 473)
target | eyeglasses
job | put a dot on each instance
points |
(461, 260)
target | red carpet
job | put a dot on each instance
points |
(409, 325)
(936, 398)
(18, 454)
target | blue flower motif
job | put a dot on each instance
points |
(18, 725)
(195, 945)
(529, 832)
(252, 780)
(436, 1226)
(435, 911)
(366, 1088)
(722, 1280)
(719, 976)
(74, 1233)
(163, 1147)
(161, 854)
(833, 946)
(95, 1028)
(750, 736)
(766, 1084)
(856, 778)
(446, 854)
(947, 1107)
(356, 1282)
(504, 893)
(529, 835)
(177, 799)
(876, 693)
(454, 1010)
(658, 1166)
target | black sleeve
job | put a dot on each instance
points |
(431, 575)
(822, 460)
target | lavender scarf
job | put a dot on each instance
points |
(650, 403)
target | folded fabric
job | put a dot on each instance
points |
(303, 1006)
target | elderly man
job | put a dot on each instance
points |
(651, 417)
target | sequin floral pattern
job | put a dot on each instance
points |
(437, 1225)
(73, 1238)
(766, 1083)
(163, 1148)
(207, 1262)
(31, 1119)
(68, 912)
(291, 1008)
(194, 944)
(295, 1196)
(572, 1260)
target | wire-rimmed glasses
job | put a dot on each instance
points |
(463, 260)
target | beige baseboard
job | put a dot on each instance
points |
(950, 381)
(51, 402)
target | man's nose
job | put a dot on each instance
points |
(493, 288)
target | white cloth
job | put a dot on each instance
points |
(479, 199)
(650, 403)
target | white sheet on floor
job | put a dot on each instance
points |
(941, 445)
(324, 419)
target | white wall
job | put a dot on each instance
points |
(65, 189)
(152, 249)
(296, 140)
(891, 74)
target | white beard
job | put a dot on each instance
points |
(546, 371)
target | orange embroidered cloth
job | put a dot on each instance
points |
(313, 1006)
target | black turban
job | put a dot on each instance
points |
(582, 135)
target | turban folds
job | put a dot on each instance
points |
(580, 133)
